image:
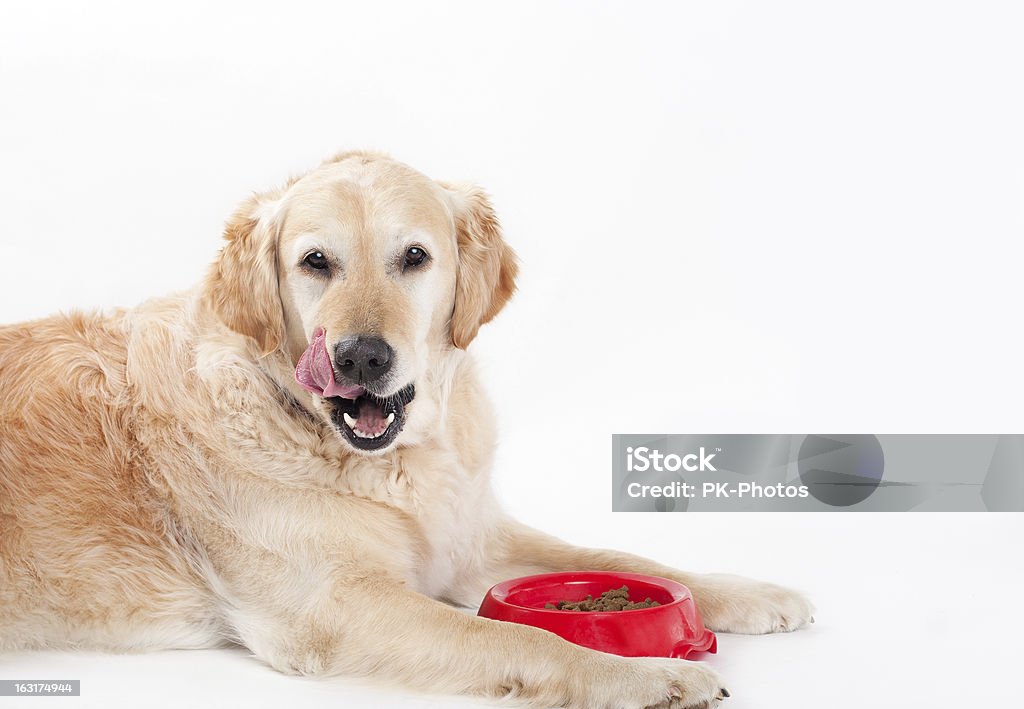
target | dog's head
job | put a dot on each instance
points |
(374, 269)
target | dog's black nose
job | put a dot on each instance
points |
(363, 360)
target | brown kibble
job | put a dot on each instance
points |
(616, 599)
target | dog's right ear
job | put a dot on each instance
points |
(242, 286)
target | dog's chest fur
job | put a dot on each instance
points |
(448, 503)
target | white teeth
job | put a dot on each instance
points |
(351, 423)
(360, 434)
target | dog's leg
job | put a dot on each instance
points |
(334, 602)
(728, 603)
(373, 625)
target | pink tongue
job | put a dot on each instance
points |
(315, 373)
(370, 419)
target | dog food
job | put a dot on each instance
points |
(614, 600)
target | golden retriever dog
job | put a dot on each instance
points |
(294, 456)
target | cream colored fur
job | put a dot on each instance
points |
(165, 483)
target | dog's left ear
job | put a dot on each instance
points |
(487, 266)
(241, 287)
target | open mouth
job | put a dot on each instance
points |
(370, 422)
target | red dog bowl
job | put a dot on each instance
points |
(672, 629)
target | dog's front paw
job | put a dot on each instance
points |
(677, 684)
(649, 683)
(734, 604)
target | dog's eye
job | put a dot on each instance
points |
(316, 259)
(414, 257)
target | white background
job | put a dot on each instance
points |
(733, 217)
